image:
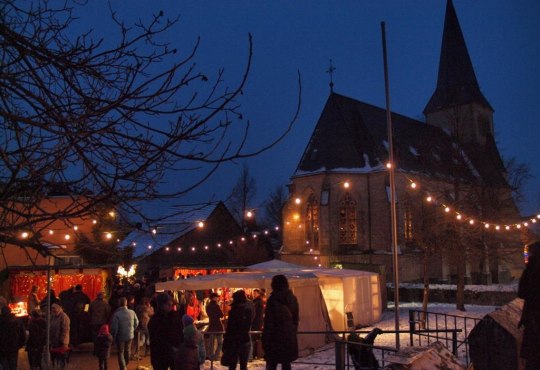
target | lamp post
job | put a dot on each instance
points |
(391, 168)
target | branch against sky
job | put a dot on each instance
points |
(107, 118)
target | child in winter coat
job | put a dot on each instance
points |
(103, 346)
(192, 334)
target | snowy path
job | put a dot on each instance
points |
(324, 358)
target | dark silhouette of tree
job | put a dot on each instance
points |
(242, 196)
(273, 207)
(107, 119)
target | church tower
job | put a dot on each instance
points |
(457, 105)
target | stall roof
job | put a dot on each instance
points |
(251, 279)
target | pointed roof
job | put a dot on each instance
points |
(351, 137)
(456, 83)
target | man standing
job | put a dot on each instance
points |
(99, 312)
(257, 324)
(79, 300)
(166, 333)
(123, 324)
(12, 338)
(215, 315)
(281, 318)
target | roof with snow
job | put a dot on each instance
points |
(351, 137)
(146, 242)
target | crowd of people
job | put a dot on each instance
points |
(178, 330)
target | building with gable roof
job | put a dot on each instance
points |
(338, 212)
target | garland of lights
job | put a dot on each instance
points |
(460, 216)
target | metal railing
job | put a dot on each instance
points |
(442, 327)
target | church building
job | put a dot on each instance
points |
(454, 206)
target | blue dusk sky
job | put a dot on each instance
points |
(503, 39)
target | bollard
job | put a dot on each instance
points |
(412, 327)
(340, 355)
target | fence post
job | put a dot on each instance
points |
(412, 326)
(454, 343)
(340, 355)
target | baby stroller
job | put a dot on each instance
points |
(362, 354)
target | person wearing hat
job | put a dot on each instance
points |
(192, 352)
(59, 327)
(99, 313)
(215, 327)
(166, 333)
(236, 342)
(281, 318)
(102, 346)
(529, 291)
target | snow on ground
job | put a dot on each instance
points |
(324, 358)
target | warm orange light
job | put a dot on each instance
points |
(346, 184)
(388, 165)
(296, 216)
(447, 209)
(471, 222)
(94, 222)
(24, 235)
(75, 227)
(67, 237)
(413, 185)
(112, 213)
(458, 217)
(51, 232)
(108, 235)
(429, 199)
(298, 200)
(200, 224)
(486, 226)
(154, 231)
(249, 214)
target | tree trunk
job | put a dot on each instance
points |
(425, 297)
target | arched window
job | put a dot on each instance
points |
(347, 221)
(312, 222)
(408, 223)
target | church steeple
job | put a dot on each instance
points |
(457, 86)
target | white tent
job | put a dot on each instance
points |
(343, 290)
(305, 285)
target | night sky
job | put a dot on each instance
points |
(503, 39)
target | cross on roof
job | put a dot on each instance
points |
(330, 71)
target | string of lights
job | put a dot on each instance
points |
(473, 221)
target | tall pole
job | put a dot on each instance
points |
(391, 169)
(46, 353)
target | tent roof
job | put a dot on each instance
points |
(275, 265)
(278, 265)
(253, 279)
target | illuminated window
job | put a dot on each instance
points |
(312, 222)
(347, 221)
(407, 223)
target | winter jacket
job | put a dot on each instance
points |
(103, 346)
(192, 335)
(281, 318)
(238, 325)
(214, 315)
(12, 335)
(59, 330)
(187, 357)
(37, 333)
(165, 330)
(99, 311)
(123, 324)
(258, 308)
(529, 290)
(144, 313)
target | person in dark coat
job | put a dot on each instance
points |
(281, 318)
(37, 336)
(215, 315)
(529, 290)
(102, 346)
(78, 317)
(12, 338)
(236, 343)
(257, 324)
(165, 329)
(43, 303)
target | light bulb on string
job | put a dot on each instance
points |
(346, 184)
(507, 227)
(388, 165)
(447, 209)
(429, 199)
(24, 235)
(471, 222)
(486, 226)
(298, 200)
(458, 216)
(497, 227)
(525, 224)
(413, 185)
